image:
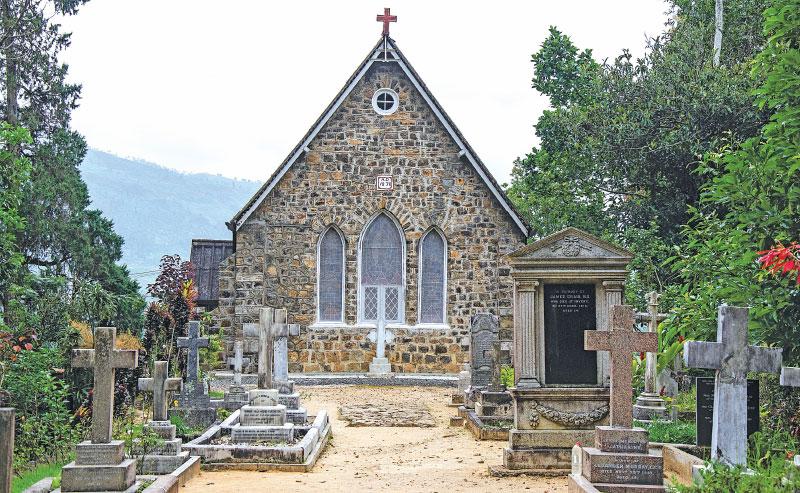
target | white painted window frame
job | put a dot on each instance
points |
(335, 323)
(444, 323)
(385, 90)
(402, 287)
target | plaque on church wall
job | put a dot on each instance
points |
(569, 310)
(384, 182)
(704, 418)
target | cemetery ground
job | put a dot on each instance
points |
(400, 458)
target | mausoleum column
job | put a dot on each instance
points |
(525, 333)
(613, 296)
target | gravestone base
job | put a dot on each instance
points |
(99, 467)
(262, 415)
(619, 462)
(235, 396)
(262, 434)
(195, 417)
(167, 456)
(163, 464)
(494, 404)
(650, 407)
(263, 397)
(291, 401)
(297, 416)
(284, 386)
(380, 366)
(456, 399)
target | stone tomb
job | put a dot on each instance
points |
(100, 463)
(564, 285)
(620, 459)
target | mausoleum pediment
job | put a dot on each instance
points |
(571, 244)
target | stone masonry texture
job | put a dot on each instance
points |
(275, 263)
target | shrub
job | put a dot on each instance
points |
(45, 431)
(670, 431)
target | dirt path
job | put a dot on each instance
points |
(437, 459)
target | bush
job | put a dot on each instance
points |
(778, 477)
(44, 429)
(670, 431)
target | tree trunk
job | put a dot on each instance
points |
(12, 89)
(718, 31)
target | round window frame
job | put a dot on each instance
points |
(394, 106)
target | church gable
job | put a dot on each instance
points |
(422, 130)
(570, 244)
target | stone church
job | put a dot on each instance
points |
(381, 233)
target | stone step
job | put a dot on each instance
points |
(267, 434)
(291, 401)
(163, 464)
(118, 477)
(296, 416)
(627, 468)
(262, 415)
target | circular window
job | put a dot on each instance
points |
(385, 101)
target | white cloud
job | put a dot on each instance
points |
(230, 87)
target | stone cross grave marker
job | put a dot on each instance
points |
(265, 347)
(650, 404)
(484, 328)
(193, 342)
(6, 448)
(790, 377)
(621, 342)
(159, 385)
(238, 360)
(733, 359)
(104, 359)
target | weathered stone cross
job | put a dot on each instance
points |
(733, 359)
(652, 317)
(386, 18)
(621, 342)
(104, 360)
(159, 385)
(194, 342)
(265, 347)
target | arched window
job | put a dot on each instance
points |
(381, 279)
(330, 288)
(432, 278)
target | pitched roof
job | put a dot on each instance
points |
(206, 256)
(385, 51)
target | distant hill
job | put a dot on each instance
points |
(159, 210)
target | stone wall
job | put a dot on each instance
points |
(334, 183)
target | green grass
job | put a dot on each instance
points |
(670, 431)
(28, 478)
(216, 394)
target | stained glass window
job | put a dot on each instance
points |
(432, 279)
(331, 268)
(382, 254)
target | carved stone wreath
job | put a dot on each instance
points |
(565, 418)
(571, 246)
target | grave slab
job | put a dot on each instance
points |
(621, 468)
(267, 434)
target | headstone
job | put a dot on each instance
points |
(236, 395)
(649, 404)
(100, 463)
(159, 385)
(704, 417)
(280, 331)
(733, 359)
(496, 383)
(194, 393)
(620, 459)
(265, 347)
(485, 329)
(790, 377)
(621, 341)
(6, 448)
(569, 311)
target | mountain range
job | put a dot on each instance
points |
(158, 210)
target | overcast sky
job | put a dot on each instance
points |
(230, 87)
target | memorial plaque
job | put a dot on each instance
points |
(704, 418)
(262, 415)
(569, 310)
(269, 434)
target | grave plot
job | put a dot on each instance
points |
(387, 414)
(270, 430)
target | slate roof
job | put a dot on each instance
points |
(206, 256)
(385, 51)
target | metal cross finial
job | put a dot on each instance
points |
(386, 18)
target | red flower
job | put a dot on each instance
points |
(28, 346)
(17, 349)
(681, 338)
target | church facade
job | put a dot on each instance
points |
(381, 233)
